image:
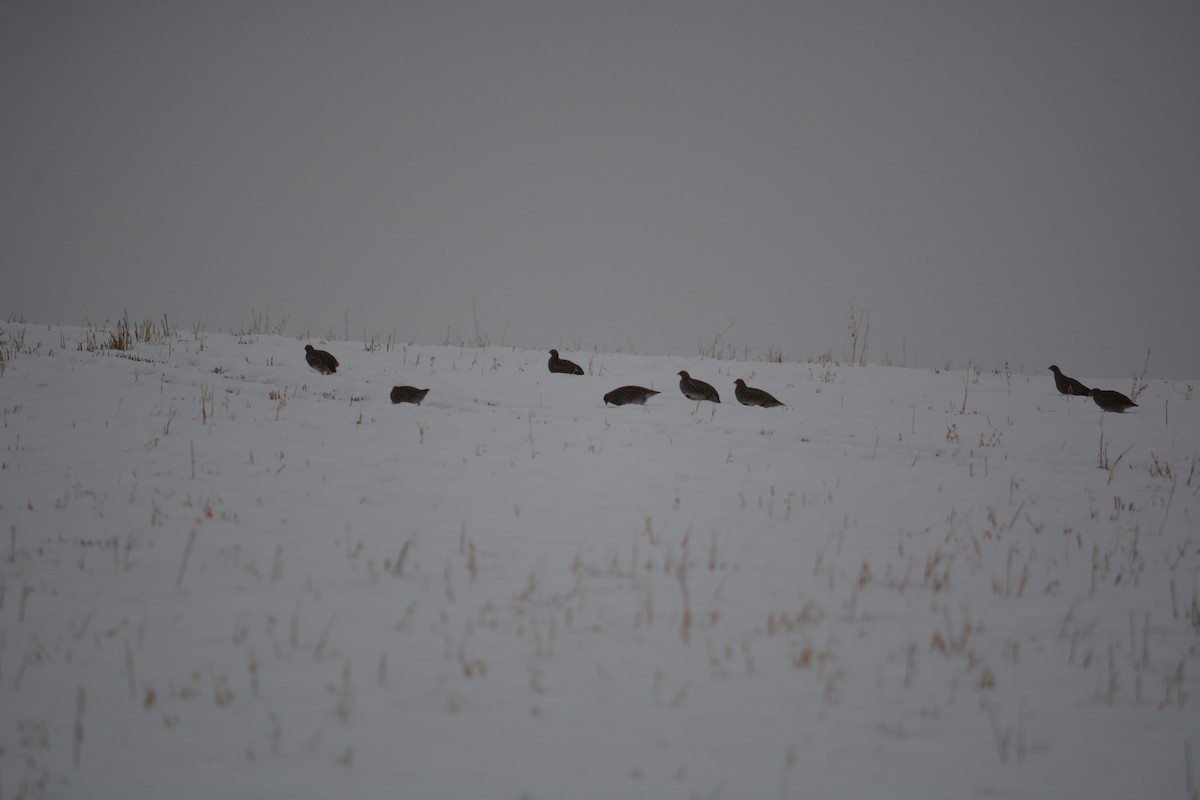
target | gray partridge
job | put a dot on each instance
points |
(1068, 385)
(626, 395)
(1109, 400)
(408, 394)
(562, 365)
(696, 390)
(320, 360)
(749, 396)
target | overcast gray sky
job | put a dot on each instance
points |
(991, 181)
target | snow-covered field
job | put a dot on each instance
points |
(224, 575)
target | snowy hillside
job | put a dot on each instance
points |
(223, 574)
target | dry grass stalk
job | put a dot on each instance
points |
(1193, 791)
(77, 741)
(788, 765)
(860, 329)
(685, 625)
(187, 552)
(398, 567)
(1139, 381)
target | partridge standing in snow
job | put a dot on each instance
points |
(635, 395)
(696, 390)
(562, 365)
(408, 394)
(1109, 400)
(319, 360)
(1068, 385)
(749, 396)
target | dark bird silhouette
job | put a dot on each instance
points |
(1109, 400)
(749, 396)
(696, 390)
(629, 395)
(1068, 385)
(562, 365)
(408, 394)
(319, 360)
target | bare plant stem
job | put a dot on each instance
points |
(187, 552)
(788, 765)
(966, 385)
(398, 567)
(1139, 381)
(80, 707)
(1193, 792)
(129, 672)
(860, 329)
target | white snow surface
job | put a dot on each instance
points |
(225, 575)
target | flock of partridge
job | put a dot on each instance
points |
(324, 363)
